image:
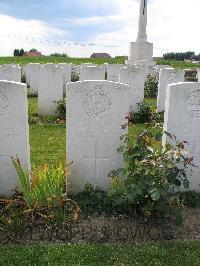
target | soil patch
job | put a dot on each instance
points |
(115, 230)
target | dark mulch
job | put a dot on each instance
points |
(114, 230)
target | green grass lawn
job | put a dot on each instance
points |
(22, 60)
(178, 64)
(172, 254)
(47, 141)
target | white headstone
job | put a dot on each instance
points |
(159, 67)
(14, 134)
(92, 73)
(135, 77)
(10, 73)
(87, 64)
(113, 72)
(95, 112)
(167, 76)
(182, 119)
(50, 89)
(152, 70)
(34, 77)
(198, 74)
(26, 69)
(67, 69)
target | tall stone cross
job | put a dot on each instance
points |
(142, 25)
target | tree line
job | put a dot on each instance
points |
(21, 52)
(182, 56)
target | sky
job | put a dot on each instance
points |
(55, 25)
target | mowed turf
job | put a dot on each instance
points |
(47, 141)
(23, 60)
(171, 253)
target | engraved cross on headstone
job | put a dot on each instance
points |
(95, 159)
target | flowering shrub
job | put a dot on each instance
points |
(150, 177)
(151, 86)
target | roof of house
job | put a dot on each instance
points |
(33, 53)
(101, 55)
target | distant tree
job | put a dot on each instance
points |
(59, 55)
(179, 56)
(21, 52)
(16, 52)
(195, 58)
(125, 57)
(33, 50)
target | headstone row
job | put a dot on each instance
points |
(95, 112)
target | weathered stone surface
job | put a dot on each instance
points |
(167, 76)
(135, 77)
(26, 71)
(14, 133)
(182, 119)
(50, 89)
(95, 113)
(34, 72)
(152, 70)
(87, 64)
(198, 74)
(67, 69)
(92, 73)
(159, 67)
(113, 71)
(10, 73)
(141, 53)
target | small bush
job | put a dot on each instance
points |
(60, 55)
(23, 78)
(158, 117)
(74, 77)
(150, 177)
(191, 199)
(143, 115)
(61, 109)
(151, 86)
(93, 200)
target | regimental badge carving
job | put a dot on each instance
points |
(97, 102)
(193, 104)
(3, 103)
(172, 77)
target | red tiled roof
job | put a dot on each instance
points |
(33, 53)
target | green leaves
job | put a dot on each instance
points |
(155, 194)
(151, 86)
(151, 174)
(44, 187)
